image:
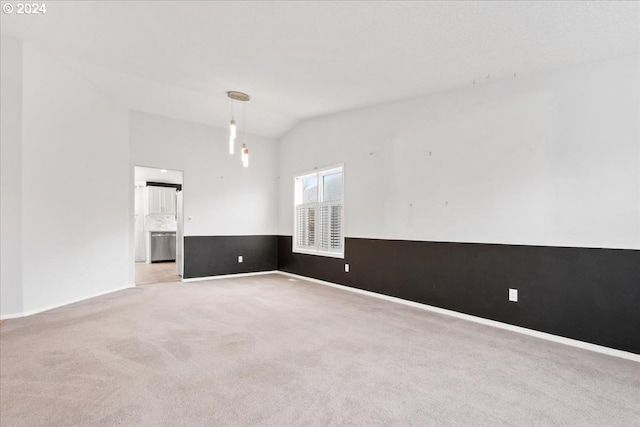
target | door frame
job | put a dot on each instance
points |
(132, 223)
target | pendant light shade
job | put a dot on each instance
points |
(232, 136)
(245, 156)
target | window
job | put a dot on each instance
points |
(319, 213)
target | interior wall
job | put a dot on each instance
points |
(75, 172)
(551, 159)
(11, 177)
(139, 238)
(453, 199)
(221, 198)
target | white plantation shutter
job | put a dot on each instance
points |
(325, 225)
(335, 229)
(319, 213)
(330, 227)
(306, 225)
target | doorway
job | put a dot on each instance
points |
(159, 228)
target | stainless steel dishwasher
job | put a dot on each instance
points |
(163, 246)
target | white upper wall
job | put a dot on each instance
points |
(11, 177)
(552, 159)
(220, 196)
(75, 186)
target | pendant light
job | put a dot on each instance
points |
(245, 156)
(243, 97)
(232, 135)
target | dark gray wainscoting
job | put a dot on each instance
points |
(217, 255)
(587, 294)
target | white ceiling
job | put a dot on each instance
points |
(304, 59)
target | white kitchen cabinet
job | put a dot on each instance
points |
(169, 201)
(154, 200)
(161, 200)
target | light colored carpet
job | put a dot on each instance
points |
(266, 350)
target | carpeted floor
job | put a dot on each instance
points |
(268, 350)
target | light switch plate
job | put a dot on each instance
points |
(346, 268)
(513, 295)
(239, 258)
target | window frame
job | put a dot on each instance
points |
(297, 180)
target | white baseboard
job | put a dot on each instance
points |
(230, 276)
(11, 316)
(543, 335)
(58, 305)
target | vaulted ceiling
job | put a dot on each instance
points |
(304, 59)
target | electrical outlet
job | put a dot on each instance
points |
(239, 258)
(513, 295)
(346, 268)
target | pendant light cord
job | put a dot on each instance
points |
(244, 121)
(233, 103)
